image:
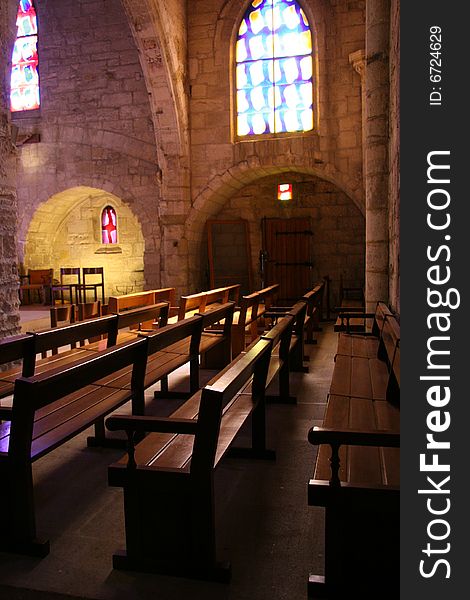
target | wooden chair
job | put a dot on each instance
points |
(72, 288)
(37, 280)
(94, 285)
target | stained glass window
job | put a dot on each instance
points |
(24, 72)
(274, 69)
(109, 226)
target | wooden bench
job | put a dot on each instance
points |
(203, 301)
(119, 304)
(12, 350)
(49, 409)
(356, 476)
(70, 339)
(175, 345)
(314, 300)
(248, 319)
(366, 343)
(168, 477)
(351, 301)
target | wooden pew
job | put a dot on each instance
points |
(118, 304)
(356, 476)
(314, 299)
(49, 409)
(351, 301)
(179, 343)
(72, 340)
(203, 301)
(168, 477)
(365, 344)
(248, 318)
(12, 350)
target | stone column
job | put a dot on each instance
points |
(376, 150)
(358, 61)
(9, 305)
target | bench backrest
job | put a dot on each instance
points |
(68, 336)
(15, 347)
(138, 318)
(216, 398)
(281, 334)
(268, 294)
(117, 304)
(201, 301)
(221, 313)
(381, 313)
(190, 327)
(38, 391)
(389, 350)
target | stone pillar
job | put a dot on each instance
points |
(358, 61)
(9, 305)
(376, 150)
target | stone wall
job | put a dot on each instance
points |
(9, 316)
(95, 123)
(338, 225)
(222, 165)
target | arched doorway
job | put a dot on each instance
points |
(66, 231)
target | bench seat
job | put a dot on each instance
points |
(360, 465)
(357, 345)
(359, 376)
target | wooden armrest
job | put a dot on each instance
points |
(350, 314)
(353, 437)
(141, 424)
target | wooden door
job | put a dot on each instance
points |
(287, 244)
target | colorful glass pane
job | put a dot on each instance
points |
(109, 226)
(274, 70)
(24, 93)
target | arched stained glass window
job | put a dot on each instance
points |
(109, 226)
(274, 69)
(24, 72)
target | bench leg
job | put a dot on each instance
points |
(284, 396)
(100, 440)
(17, 505)
(258, 438)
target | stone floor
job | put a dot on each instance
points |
(264, 526)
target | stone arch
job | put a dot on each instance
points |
(65, 232)
(162, 50)
(222, 188)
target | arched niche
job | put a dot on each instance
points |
(65, 231)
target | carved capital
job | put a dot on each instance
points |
(358, 61)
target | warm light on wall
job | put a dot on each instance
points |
(284, 191)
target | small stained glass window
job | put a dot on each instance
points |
(24, 93)
(274, 69)
(109, 226)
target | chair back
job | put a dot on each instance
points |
(93, 284)
(66, 272)
(40, 276)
